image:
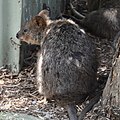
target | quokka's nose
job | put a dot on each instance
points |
(17, 36)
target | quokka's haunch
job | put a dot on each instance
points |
(67, 66)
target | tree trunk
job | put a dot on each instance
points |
(111, 93)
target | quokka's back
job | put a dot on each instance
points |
(67, 66)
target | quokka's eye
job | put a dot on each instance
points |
(25, 30)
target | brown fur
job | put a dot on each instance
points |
(105, 20)
(67, 63)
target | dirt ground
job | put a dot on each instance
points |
(18, 93)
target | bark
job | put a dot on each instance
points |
(111, 93)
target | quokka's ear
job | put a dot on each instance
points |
(45, 15)
(39, 21)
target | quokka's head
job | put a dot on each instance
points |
(33, 31)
